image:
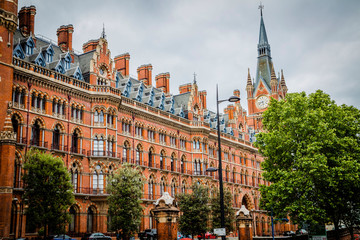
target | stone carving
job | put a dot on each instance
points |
(166, 198)
(243, 210)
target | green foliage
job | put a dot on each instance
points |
(195, 210)
(48, 190)
(311, 150)
(125, 210)
(229, 211)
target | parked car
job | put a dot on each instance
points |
(62, 237)
(301, 232)
(180, 236)
(95, 236)
(208, 235)
(289, 233)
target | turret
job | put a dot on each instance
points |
(249, 86)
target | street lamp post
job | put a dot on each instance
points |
(222, 213)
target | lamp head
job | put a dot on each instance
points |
(234, 99)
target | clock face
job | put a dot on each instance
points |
(262, 102)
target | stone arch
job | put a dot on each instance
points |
(74, 128)
(92, 167)
(78, 164)
(61, 124)
(19, 116)
(246, 201)
(41, 120)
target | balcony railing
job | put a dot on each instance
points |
(99, 153)
(59, 147)
(77, 150)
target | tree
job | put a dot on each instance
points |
(311, 150)
(229, 211)
(48, 190)
(195, 210)
(125, 192)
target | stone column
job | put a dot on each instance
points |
(7, 159)
(244, 223)
(166, 215)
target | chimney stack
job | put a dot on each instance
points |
(145, 74)
(64, 34)
(203, 98)
(185, 88)
(90, 45)
(162, 81)
(122, 63)
(27, 20)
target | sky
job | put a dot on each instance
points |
(315, 42)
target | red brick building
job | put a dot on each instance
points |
(88, 110)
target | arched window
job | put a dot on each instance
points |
(126, 152)
(35, 133)
(75, 177)
(16, 127)
(182, 165)
(151, 158)
(75, 141)
(173, 188)
(151, 188)
(101, 146)
(96, 116)
(162, 186)
(56, 138)
(73, 222)
(13, 218)
(138, 155)
(183, 187)
(90, 220)
(172, 166)
(101, 116)
(162, 160)
(246, 177)
(110, 145)
(98, 180)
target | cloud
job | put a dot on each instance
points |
(315, 42)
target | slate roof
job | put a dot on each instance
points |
(130, 87)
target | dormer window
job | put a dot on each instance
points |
(49, 54)
(29, 47)
(67, 61)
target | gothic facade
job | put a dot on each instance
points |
(88, 110)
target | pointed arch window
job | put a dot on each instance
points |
(56, 138)
(162, 186)
(90, 220)
(138, 155)
(182, 165)
(75, 139)
(98, 180)
(172, 166)
(35, 133)
(162, 160)
(173, 188)
(96, 116)
(151, 158)
(151, 188)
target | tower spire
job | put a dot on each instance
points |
(249, 78)
(261, 7)
(103, 35)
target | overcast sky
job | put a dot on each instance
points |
(316, 43)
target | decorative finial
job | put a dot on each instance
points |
(195, 78)
(103, 32)
(261, 7)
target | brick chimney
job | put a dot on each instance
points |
(145, 74)
(27, 20)
(122, 63)
(90, 45)
(185, 88)
(162, 81)
(64, 34)
(230, 111)
(203, 98)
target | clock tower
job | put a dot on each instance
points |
(266, 84)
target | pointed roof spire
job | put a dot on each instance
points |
(249, 78)
(262, 36)
(194, 78)
(273, 75)
(103, 35)
(282, 82)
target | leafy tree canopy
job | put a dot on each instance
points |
(195, 210)
(48, 190)
(125, 192)
(311, 150)
(229, 211)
